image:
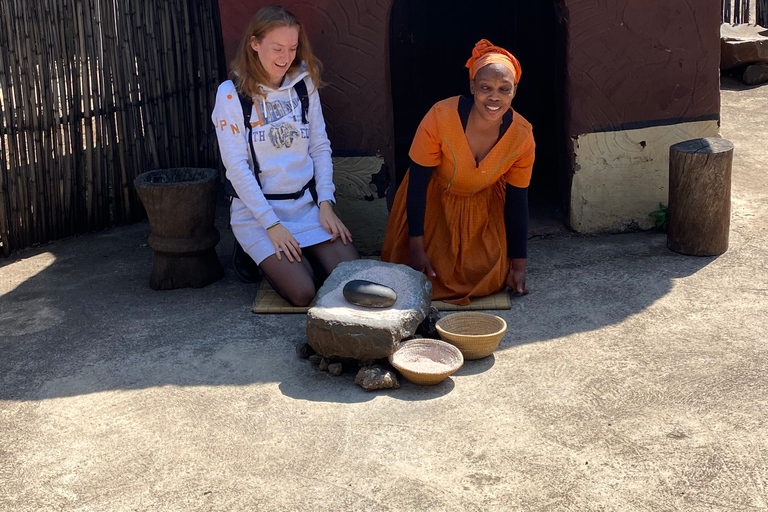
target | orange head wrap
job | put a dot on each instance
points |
(486, 53)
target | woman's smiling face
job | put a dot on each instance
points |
(277, 50)
(493, 88)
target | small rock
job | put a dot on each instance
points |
(427, 327)
(372, 378)
(335, 369)
(369, 294)
(315, 358)
(323, 365)
(303, 350)
(756, 74)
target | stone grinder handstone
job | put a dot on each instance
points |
(369, 294)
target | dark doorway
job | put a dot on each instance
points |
(431, 40)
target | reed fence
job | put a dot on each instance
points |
(740, 11)
(735, 11)
(93, 93)
(761, 11)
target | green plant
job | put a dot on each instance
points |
(662, 217)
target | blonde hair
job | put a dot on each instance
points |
(247, 72)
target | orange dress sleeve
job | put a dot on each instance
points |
(426, 147)
(519, 174)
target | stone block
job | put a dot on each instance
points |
(336, 328)
(742, 44)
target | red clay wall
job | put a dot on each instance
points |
(630, 64)
(352, 44)
(639, 61)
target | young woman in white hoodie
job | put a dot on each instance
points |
(279, 234)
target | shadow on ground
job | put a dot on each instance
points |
(78, 317)
(733, 82)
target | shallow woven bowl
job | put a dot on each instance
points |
(426, 362)
(477, 335)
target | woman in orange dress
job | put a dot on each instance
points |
(461, 213)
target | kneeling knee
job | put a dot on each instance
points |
(347, 252)
(302, 298)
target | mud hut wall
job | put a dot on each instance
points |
(640, 79)
(351, 39)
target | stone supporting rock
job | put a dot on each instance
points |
(371, 378)
(304, 351)
(427, 328)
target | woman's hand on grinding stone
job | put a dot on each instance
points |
(417, 256)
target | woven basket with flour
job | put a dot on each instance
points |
(426, 362)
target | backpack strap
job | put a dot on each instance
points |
(247, 104)
(301, 90)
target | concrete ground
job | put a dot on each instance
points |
(631, 378)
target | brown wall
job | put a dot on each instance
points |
(630, 63)
(352, 44)
(639, 61)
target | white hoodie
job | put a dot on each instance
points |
(289, 155)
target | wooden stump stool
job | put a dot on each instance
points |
(700, 196)
(181, 206)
